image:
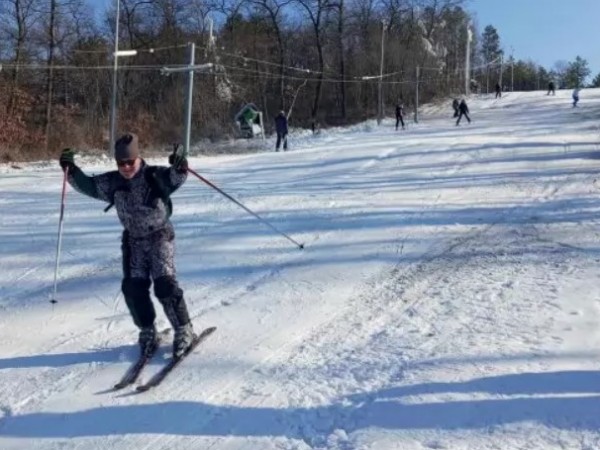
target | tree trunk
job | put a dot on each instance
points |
(50, 76)
(18, 56)
(342, 59)
(317, 100)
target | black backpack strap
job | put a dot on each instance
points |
(157, 190)
(120, 187)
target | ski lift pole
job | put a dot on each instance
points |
(60, 229)
(220, 191)
(190, 69)
(189, 100)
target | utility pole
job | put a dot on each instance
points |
(380, 94)
(501, 70)
(113, 103)
(209, 46)
(512, 69)
(189, 101)
(190, 69)
(468, 62)
(417, 97)
(211, 39)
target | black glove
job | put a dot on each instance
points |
(177, 159)
(67, 159)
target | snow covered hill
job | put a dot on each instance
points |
(448, 296)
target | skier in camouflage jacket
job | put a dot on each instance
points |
(140, 194)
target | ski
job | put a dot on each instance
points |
(136, 368)
(174, 362)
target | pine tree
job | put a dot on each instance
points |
(577, 72)
(490, 44)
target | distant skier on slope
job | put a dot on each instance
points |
(576, 96)
(281, 127)
(400, 114)
(140, 194)
(463, 111)
(498, 90)
(551, 88)
(455, 104)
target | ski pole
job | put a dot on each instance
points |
(220, 191)
(60, 228)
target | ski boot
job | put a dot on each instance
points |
(148, 340)
(184, 336)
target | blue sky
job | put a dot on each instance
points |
(542, 30)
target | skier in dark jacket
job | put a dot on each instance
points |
(551, 88)
(498, 90)
(281, 127)
(575, 96)
(140, 194)
(455, 104)
(399, 115)
(463, 110)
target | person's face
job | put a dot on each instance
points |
(129, 167)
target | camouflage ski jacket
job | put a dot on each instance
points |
(142, 203)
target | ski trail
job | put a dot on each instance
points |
(232, 393)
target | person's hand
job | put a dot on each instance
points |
(177, 159)
(181, 166)
(67, 159)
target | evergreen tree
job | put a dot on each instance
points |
(577, 72)
(596, 81)
(490, 44)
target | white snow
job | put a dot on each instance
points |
(447, 298)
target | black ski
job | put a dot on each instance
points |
(174, 362)
(136, 368)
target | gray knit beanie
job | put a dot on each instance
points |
(127, 147)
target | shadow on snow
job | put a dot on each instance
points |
(564, 407)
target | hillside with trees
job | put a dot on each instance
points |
(327, 62)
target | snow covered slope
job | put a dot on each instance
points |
(448, 296)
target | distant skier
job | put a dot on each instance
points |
(455, 104)
(551, 88)
(140, 194)
(498, 90)
(281, 127)
(463, 111)
(576, 97)
(400, 115)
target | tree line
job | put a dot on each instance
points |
(321, 61)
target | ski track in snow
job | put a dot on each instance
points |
(446, 298)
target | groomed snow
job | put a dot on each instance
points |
(448, 296)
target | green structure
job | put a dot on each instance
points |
(249, 120)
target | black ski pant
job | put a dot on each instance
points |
(399, 119)
(146, 259)
(281, 137)
(460, 117)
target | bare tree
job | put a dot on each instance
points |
(57, 27)
(16, 25)
(341, 54)
(274, 9)
(316, 11)
(50, 69)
